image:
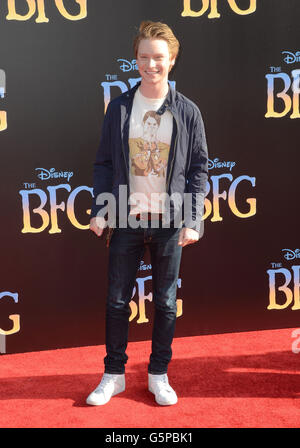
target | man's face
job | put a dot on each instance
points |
(150, 129)
(154, 61)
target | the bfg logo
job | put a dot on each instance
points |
(283, 88)
(284, 283)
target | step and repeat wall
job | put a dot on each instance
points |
(61, 62)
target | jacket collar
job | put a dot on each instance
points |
(169, 102)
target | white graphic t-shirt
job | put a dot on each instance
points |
(149, 145)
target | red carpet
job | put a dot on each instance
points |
(239, 380)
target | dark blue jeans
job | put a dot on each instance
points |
(127, 247)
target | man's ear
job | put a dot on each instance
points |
(172, 63)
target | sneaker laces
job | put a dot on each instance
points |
(164, 383)
(105, 380)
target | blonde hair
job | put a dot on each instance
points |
(157, 30)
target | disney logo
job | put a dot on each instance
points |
(127, 66)
(52, 174)
(291, 58)
(144, 267)
(217, 164)
(291, 254)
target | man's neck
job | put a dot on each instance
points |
(154, 91)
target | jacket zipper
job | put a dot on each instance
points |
(127, 169)
(172, 161)
(123, 151)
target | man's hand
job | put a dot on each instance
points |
(187, 236)
(95, 226)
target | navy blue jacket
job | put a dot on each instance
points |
(187, 168)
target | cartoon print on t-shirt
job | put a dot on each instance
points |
(149, 156)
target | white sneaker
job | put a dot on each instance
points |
(109, 386)
(160, 387)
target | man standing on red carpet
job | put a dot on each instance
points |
(153, 143)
